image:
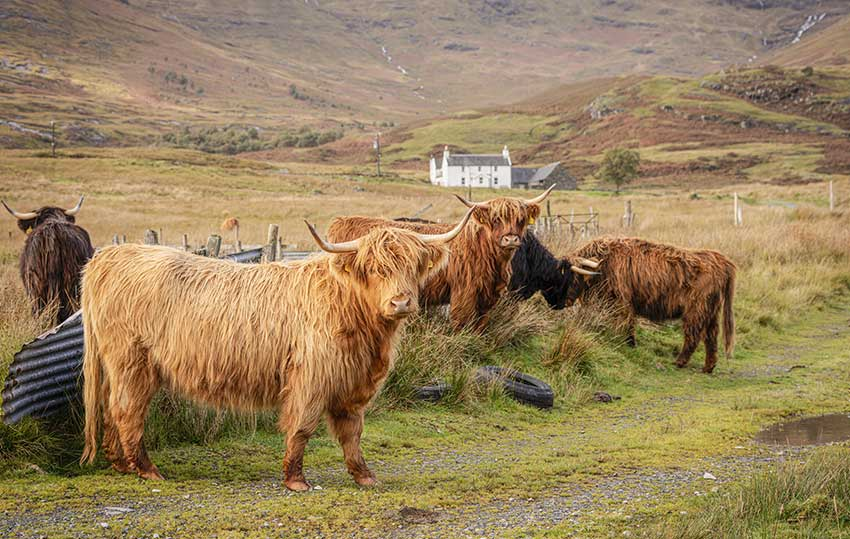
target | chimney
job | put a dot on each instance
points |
(507, 155)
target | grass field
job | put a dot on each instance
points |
(478, 464)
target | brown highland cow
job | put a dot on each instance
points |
(311, 338)
(662, 282)
(55, 251)
(479, 269)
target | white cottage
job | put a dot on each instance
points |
(477, 170)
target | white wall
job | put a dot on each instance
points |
(486, 176)
(491, 177)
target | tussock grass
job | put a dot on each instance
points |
(431, 351)
(795, 499)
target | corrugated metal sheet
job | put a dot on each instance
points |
(46, 374)
(249, 256)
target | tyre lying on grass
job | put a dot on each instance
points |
(522, 387)
(432, 392)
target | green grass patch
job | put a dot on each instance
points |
(476, 134)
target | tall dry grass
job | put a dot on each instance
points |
(808, 498)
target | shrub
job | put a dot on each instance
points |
(619, 166)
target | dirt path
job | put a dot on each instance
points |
(489, 473)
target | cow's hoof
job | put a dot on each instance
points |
(680, 364)
(297, 485)
(152, 474)
(708, 370)
(366, 481)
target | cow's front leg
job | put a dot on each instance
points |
(348, 426)
(299, 423)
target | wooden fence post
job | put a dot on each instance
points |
(115, 239)
(831, 197)
(185, 242)
(213, 245)
(739, 211)
(270, 249)
(123, 238)
(628, 216)
(151, 237)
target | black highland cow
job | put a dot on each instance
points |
(53, 257)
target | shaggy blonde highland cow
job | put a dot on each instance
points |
(479, 272)
(312, 338)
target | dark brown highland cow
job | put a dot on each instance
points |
(662, 282)
(54, 254)
(479, 269)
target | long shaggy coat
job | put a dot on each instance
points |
(309, 338)
(662, 282)
(55, 251)
(479, 269)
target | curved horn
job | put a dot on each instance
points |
(540, 198)
(583, 271)
(344, 247)
(450, 235)
(19, 216)
(470, 204)
(586, 262)
(73, 211)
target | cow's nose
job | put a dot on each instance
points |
(510, 241)
(401, 305)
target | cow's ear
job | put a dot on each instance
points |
(438, 256)
(533, 213)
(482, 215)
(346, 266)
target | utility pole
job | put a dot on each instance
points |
(53, 138)
(377, 146)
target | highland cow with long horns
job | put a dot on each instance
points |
(311, 338)
(55, 251)
(479, 270)
(661, 282)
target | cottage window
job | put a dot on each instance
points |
(480, 180)
(496, 180)
(463, 181)
(479, 169)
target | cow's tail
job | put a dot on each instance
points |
(92, 373)
(728, 316)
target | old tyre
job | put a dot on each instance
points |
(522, 387)
(432, 392)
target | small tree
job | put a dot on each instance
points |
(620, 166)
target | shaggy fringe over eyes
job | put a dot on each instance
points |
(389, 252)
(508, 211)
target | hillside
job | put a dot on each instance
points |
(123, 72)
(767, 122)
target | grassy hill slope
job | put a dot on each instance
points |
(122, 72)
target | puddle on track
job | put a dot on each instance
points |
(816, 430)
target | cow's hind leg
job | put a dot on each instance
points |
(112, 445)
(711, 331)
(693, 331)
(299, 420)
(131, 395)
(348, 426)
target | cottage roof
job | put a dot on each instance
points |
(470, 160)
(543, 172)
(521, 176)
